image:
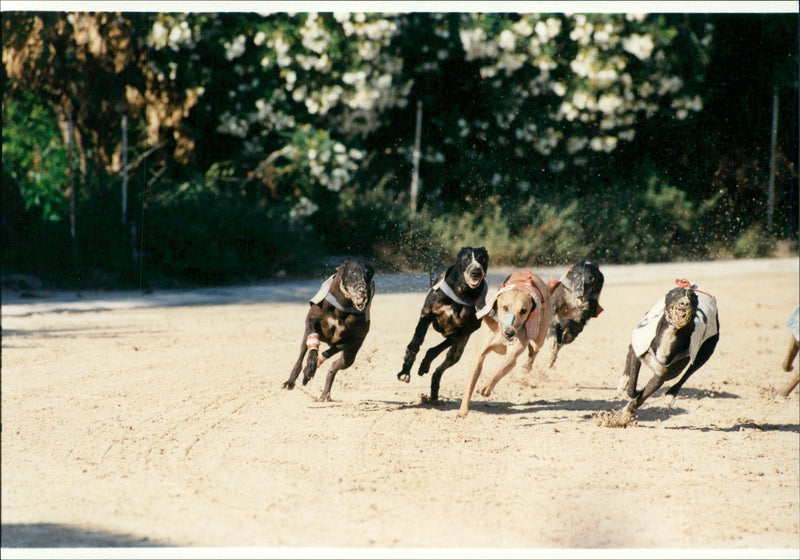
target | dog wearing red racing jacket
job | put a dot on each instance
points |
(517, 317)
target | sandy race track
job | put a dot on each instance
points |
(159, 421)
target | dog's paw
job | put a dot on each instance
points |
(323, 398)
(288, 385)
(485, 391)
(307, 376)
(669, 400)
(623, 381)
(404, 377)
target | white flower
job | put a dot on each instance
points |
(669, 84)
(522, 28)
(640, 46)
(576, 144)
(546, 30)
(304, 208)
(609, 103)
(506, 40)
(236, 48)
(603, 143)
(635, 17)
(627, 135)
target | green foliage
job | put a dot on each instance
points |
(754, 242)
(375, 223)
(624, 223)
(34, 157)
(198, 234)
(518, 234)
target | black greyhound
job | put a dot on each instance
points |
(339, 317)
(450, 306)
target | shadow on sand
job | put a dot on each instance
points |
(55, 535)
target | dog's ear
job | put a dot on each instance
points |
(369, 272)
(482, 256)
(552, 284)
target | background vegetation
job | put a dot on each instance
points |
(148, 149)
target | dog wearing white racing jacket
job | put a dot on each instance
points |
(678, 334)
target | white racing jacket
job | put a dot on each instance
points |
(705, 324)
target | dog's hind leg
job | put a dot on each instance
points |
(424, 322)
(344, 361)
(453, 355)
(703, 354)
(791, 354)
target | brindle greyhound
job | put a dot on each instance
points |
(574, 301)
(677, 334)
(450, 307)
(339, 317)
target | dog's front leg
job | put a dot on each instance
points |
(553, 354)
(632, 366)
(508, 364)
(289, 383)
(703, 354)
(424, 322)
(640, 396)
(477, 367)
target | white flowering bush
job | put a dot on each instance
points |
(571, 86)
(310, 87)
(303, 105)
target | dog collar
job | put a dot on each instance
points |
(445, 287)
(329, 297)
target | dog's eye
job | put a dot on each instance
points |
(505, 308)
(523, 311)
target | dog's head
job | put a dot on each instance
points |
(513, 308)
(680, 305)
(577, 301)
(472, 263)
(356, 281)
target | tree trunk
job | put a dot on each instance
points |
(772, 142)
(416, 157)
(67, 125)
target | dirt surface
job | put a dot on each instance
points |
(159, 420)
